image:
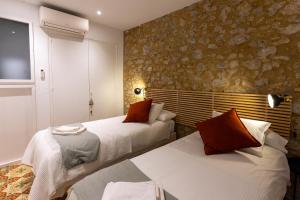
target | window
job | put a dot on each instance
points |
(15, 52)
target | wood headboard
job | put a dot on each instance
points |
(194, 106)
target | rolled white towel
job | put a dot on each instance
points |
(131, 191)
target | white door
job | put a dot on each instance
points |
(102, 67)
(69, 81)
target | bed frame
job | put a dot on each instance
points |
(194, 106)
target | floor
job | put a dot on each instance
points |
(16, 181)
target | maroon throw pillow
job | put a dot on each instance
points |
(139, 112)
(225, 133)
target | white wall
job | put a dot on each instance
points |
(24, 111)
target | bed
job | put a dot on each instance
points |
(184, 171)
(118, 141)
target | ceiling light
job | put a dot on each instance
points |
(99, 12)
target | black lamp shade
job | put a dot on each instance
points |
(275, 100)
(137, 91)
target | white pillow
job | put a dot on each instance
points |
(274, 140)
(155, 111)
(257, 129)
(166, 115)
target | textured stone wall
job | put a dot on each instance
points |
(248, 46)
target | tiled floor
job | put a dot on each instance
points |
(15, 182)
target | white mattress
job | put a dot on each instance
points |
(183, 169)
(117, 139)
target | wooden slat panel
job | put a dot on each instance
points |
(169, 97)
(194, 106)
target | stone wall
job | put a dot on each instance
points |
(247, 46)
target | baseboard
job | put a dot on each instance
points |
(18, 161)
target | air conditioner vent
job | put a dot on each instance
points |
(56, 22)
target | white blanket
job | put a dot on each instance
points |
(117, 139)
(183, 170)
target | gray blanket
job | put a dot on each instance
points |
(78, 149)
(92, 187)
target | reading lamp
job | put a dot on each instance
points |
(138, 91)
(275, 100)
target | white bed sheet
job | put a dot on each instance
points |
(117, 139)
(183, 169)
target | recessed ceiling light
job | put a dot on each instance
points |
(99, 12)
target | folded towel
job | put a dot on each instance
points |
(67, 128)
(160, 195)
(74, 132)
(132, 191)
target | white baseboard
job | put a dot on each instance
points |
(18, 161)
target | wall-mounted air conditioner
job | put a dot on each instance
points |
(59, 23)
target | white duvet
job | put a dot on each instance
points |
(117, 139)
(183, 169)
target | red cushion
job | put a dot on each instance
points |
(225, 133)
(139, 112)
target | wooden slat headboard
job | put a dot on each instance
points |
(194, 106)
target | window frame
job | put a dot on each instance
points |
(30, 81)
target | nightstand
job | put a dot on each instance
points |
(294, 162)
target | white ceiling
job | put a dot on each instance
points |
(120, 14)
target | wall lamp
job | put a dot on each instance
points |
(138, 91)
(275, 100)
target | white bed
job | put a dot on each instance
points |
(183, 170)
(117, 140)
